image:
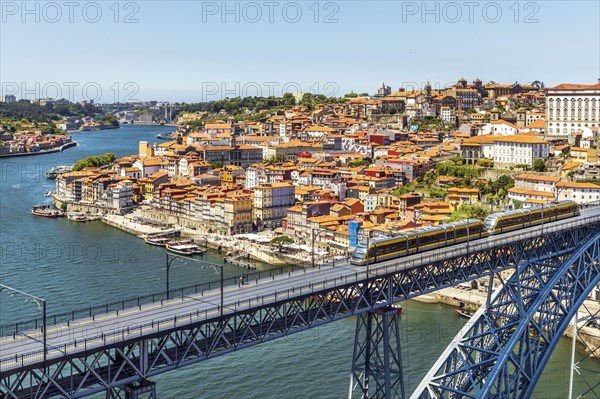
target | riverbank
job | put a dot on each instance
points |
(89, 128)
(41, 152)
(473, 299)
(139, 223)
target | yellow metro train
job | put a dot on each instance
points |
(428, 238)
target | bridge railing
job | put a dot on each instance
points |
(136, 301)
(374, 272)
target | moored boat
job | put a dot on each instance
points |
(183, 241)
(158, 241)
(48, 193)
(464, 313)
(47, 211)
(77, 217)
(58, 170)
(184, 250)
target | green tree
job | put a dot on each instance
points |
(518, 204)
(539, 165)
(485, 163)
(289, 100)
(476, 211)
(280, 241)
(275, 159)
(501, 186)
(358, 162)
(95, 161)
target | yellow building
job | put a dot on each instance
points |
(462, 196)
(238, 211)
(228, 174)
(585, 155)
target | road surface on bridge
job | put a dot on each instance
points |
(82, 334)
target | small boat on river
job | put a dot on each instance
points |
(47, 211)
(77, 217)
(464, 313)
(158, 241)
(58, 170)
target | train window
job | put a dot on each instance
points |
(412, 241)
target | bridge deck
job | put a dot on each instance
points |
(84, 334)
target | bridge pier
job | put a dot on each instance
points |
(377, 358)
(136, 390)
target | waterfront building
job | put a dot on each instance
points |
(120, 195)
(237, 212)
(271, 201)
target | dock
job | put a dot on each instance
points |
(237, 260)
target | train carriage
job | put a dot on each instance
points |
(424, 239)
(522, 218)
(428, 238)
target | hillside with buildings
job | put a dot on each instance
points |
(317, 172)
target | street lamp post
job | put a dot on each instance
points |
(416, 216)
(203, 264)
(313, 238)
(40, 302)
(542, 219)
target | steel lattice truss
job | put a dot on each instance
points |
(138, 358)
(377, 360)
(502, 351)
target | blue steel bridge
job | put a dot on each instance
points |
(500, 353)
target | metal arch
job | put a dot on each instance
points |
(142, 351)
(502, 351)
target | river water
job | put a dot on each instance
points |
(75, 265)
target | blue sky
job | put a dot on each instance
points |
(194, 50)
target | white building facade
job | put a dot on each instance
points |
(571, 107)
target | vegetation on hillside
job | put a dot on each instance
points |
(95, 161)
(33, 112)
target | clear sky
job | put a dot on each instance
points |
(205, 50)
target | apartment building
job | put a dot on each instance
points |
(271, 201)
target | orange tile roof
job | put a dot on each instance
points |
(523, 191)
(570, 86)
(521, 138)
(532, 177)
(567, 184)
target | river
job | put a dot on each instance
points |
(75, 265)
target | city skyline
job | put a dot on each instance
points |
(187, 53)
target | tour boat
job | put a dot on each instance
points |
(183, 241)
(58, 170)
(46, 211)
(185, 250)
(158, 241)
(186, 243)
